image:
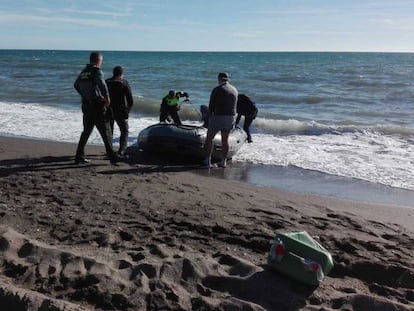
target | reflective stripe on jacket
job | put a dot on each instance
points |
(91, 85)
(171, 101)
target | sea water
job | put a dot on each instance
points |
(343, 114)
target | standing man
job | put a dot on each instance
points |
(121, 103)
(169, 106)
(91, 85)
(247, 108)
(222, 111)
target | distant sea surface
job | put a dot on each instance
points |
(342, 114)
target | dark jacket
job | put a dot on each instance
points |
(91, 85)
(121, 96)
(246, 107)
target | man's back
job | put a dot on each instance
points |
(223, 100)
(120, 94)
(90, 84)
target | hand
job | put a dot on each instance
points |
(106, 101)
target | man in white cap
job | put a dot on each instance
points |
(222, 111)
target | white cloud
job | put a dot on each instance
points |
(250, 34)
(400, 26)
(19, 19)
(97, 13)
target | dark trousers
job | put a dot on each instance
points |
(123, 128)
(246, 127)
(169, 110)
(92, 118)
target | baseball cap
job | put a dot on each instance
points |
(223, 76)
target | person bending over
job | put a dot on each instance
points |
(247, 108)
(169, 106)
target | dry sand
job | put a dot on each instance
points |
(145, 235)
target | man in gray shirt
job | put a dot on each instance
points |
(222, 110)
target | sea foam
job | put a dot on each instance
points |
(348, 151)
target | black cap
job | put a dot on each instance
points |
(223, 76)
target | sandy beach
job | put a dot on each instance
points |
(149, 235)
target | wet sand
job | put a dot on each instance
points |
(298, 180)
(151, 235)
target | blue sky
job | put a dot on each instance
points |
(208, 25)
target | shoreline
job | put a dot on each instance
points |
(291, 179)
(251, 176)
(149, 235)
(303, 181)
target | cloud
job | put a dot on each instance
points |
(401, 25)
(249, 34)
(21, 18)
(97, 13)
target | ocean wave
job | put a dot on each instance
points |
(289, 99)
(355, 151)
(145, 106)
(366, 156)
(296, 127)
(151, 108)
(268, 123)
(392, 130)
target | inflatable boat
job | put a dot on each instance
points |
(186, 140)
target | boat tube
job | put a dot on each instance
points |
(186, 140)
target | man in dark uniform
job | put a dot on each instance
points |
(121, 103)
(169, 106)
(91, 85)
(247, 108)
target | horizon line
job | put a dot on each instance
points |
(206, 51)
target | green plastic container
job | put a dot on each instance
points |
(300, 257)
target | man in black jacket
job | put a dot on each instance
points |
(247, 108)
(91, 85)
(121, 103)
